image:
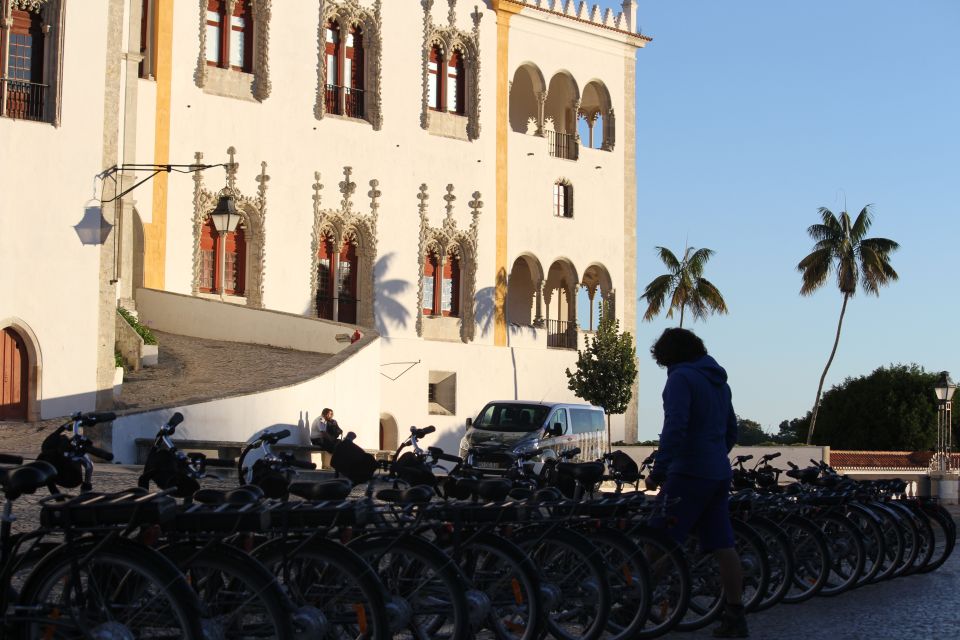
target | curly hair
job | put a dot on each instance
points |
(677, 345)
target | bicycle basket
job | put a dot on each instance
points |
(54, 450)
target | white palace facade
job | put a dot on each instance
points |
(455, 178)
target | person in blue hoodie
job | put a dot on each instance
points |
(692, 464)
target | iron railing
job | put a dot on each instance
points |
(344, 101)
(561, 334)
(22, 100)
(563, 145)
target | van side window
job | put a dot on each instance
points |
(560, 415)
(586, 420)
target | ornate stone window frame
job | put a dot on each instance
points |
(230, 82)
(253, 212)
(467, 43)
(344, 224)
(54, 19)
(449, 239)
(348, 13)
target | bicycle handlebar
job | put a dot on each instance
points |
(438, 454)
(569, 453)
(419, 433)
(174, 420)
(100, 453)
(275, 437)
(771, 456)
(90, 419)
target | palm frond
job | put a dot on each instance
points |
(711, 296)
(815, 268)
(697, 260)
(823, 232)
(884, 246)
(848, 273)
(668, 259)
(876, 270)
(655, 294)
(828, 218)
(862, 224)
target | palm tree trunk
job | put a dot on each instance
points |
(682, 307)
(836, 341)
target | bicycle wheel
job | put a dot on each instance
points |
(894, 544)
(780, 558)
(846, 553)
(498, 568)
(911, 537)
(572, 571)
(629, 578)
(926, 539)
(811, 559)
(944, 534)
(121, 589)
(242, 598)
(426, 584)
(670, 584)
(322, 576)
(873, 539)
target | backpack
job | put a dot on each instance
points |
(626, 466)
(352, 462)
(333, 429)
(53, 450)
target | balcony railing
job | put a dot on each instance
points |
(561, 334)
(22, 100)
(563, 145)
(344, 101)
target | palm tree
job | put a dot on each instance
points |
(685, 285)
(841, 247)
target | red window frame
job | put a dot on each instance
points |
(241, 9)
(455, 69)
(450, 272)
(23, 24)
(208, 257)
(326, 264)
(212, 280)
(436, 79)
(354, 53)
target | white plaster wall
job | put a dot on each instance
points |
(284, 132)
(215, 320)
(49, 281)
(240, 417)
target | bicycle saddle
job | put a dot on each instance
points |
(247, 494)
(336, 489)
(27, 478)
(586, 472)
(420, 494)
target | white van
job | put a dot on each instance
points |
(518, 425)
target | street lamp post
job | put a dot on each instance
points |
(944, 390)
(225, 219)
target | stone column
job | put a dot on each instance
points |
(541, 110)
(538, 294)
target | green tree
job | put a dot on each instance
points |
(750, 433)
(793, 431)
(606, 369)
(685, 285)
(842, 248)
(892, 409)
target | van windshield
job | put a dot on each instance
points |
(511, 417)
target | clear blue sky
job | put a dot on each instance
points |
(751, 114)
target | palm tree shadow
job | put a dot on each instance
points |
(484, 308)
(388, 309)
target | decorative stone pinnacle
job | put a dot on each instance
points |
(477, 17)
(423, 196)
(476, 204)
(374, 193)
(262, 180)
(452, 13)
(347, 188)
(231, 168)
(450, 199)
(426, 4)
(317, 188)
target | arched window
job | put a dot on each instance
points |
(456, 81)
(230, 38)
(344, 70)
(435, 81)
(441, 287)
(325, 279)
(337, 277)
(347, 283)
(233, 261)
(21, 78)
(562, 199)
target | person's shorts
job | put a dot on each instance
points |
(699, 506)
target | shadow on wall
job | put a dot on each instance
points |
(484, 308)
(387, 307)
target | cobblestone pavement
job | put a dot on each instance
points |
(909, 608)
(189, 370)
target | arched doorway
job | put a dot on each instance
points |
(388, 432)
(14, 376)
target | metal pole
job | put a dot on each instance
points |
(223, 264)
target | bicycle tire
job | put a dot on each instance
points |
(670, 584)
(780, 558)
(945, 535)
(811, 558)
(893, 538)
(867, 522)
(926, 538)
(146, 592)
(911, 537)
(499, 568)
(324, 575)
(628, 577)
(569, 565)
(242, 598)
(424, 578)
(846, 553)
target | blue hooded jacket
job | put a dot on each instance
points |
(699, 425)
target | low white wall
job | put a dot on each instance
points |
(215, 320)
(800, 456)
(357, 407)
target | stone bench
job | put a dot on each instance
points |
(226, 450)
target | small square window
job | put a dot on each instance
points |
(442, 393)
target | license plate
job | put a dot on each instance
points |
(487, 465)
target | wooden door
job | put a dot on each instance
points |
(13, 376)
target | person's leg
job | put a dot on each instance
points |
(731, 574)
(716, 537)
